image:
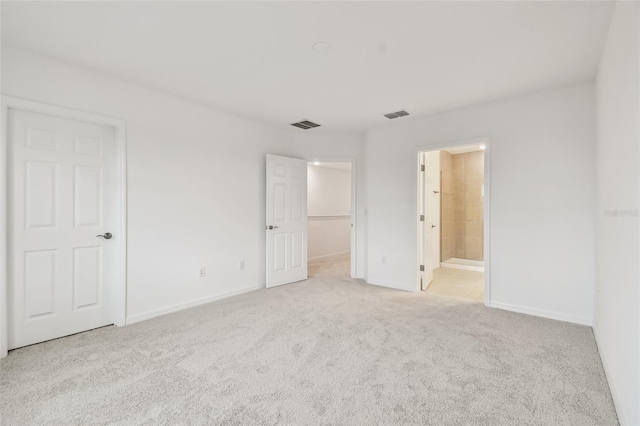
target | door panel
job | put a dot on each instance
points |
(88, 197)
(39, 138)
(39, 280)
(279, 201)
(287, 215)
(87, 276)
(40, 194)
(87, 145)
(61, 195)
(297, 240)
(279, 251)
(296, 202)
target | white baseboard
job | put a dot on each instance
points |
(388, 285)
(463, 267)
(542, 313)
(329, 255)
(612, 388)
(180, 306)
(464, 264)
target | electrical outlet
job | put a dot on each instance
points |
(384, 260)
(202, 271)
(241, 265)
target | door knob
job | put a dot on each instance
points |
(106, 236)
(433, 226)
(436, 192)
(272, 227)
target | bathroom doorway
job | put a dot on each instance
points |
(452, 228)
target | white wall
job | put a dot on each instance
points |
(196, 180)
(616, 322)
(196, 176)
(328, 237)
(329, 211)
(542, 198)
(329, 191)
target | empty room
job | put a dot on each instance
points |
(350, 213)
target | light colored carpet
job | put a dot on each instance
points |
(324, 351)
(338, 265)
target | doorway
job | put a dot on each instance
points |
(453, 227)
(65, 233)
(330, 224)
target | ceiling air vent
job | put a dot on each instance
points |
(396, 114)
(305, 124)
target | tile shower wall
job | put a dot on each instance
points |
(448, 217)
(461, 216)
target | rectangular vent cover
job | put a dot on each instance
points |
(305, 124)
(396, 114)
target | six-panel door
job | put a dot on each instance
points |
(286, 214)
(61, 196)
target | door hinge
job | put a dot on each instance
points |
(421, 268)
(421, 218)
(422, 167)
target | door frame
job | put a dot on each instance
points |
(422, 204)
(486, 205)
(354, 205)
(119, 126)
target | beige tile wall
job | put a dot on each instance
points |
(462, 176)
(449, 213)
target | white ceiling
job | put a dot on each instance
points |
(256, 59)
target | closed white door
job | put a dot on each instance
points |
(286, 220)
(61, 197)
(431, 209)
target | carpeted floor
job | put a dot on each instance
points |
(338, 265)
(328, 350)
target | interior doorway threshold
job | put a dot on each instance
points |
(466, 264)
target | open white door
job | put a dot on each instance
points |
(430, 178)
(286, 220)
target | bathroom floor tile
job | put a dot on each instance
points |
(461, 284)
